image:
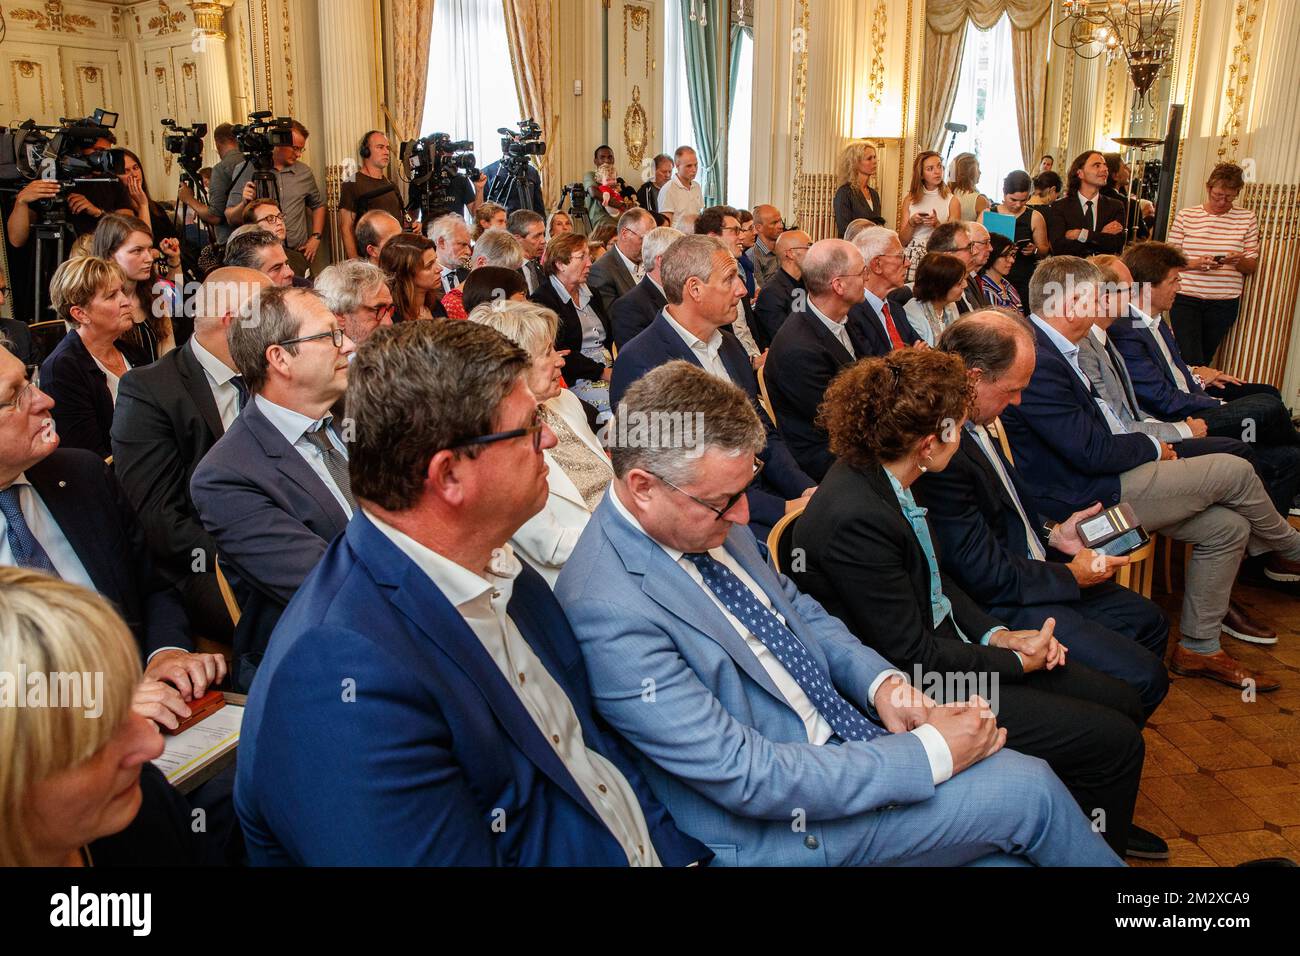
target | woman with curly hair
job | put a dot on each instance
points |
(856, 198)
(870, 560)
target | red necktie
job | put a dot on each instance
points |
(895, 340)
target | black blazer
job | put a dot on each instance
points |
(775, 302)
(568, 334)
(980, 534)
(89, 507)
(1066, 214)
(804, 357)
(609, 279)
(165, 421)
(632, 313)
(871, 324)
(849, 205)
(866, 566)
(20, 339)
(83, 407)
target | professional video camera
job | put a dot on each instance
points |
(258, 140)
(576, 193)
(511, 178)
(186, 143)
(431, 164)
(64, 153)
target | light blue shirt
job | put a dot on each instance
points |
(940, 606)
(294, 426)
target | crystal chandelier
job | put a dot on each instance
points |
(1137, 30)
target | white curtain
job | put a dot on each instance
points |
(677, 129)
(742, 108)
(471, 89)
(986, 105)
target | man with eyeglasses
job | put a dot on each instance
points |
(299, 197)
(357, 292)
(724, 222)
(615, 275)
(776, 298)
(879, 316)
(701, 282)
(778, 738)
(63, 513)
(167, 417)
(267, 215)
(275, 489)
(969, 242)
(468, 737)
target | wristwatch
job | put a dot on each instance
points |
(1049, 528)
(314, 235)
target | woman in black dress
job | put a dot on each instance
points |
(855, 199)
(1031, 229)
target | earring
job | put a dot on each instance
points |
(923, 468)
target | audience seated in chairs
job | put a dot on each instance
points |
(881, 316)
(460, 653)
(168, 416)
(530, 229)
(632, 312)
(83, 371)
(451, 240)
(702, 283)
(870, 560)
(275, 490)
(995, 277)
(579, 469)
(128, 242)
(411, 264)
(495, 247)
(763, 701)
(1074, 453)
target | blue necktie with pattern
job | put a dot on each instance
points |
(28, 552)
(737, 598)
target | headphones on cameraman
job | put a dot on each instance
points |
(364, 149)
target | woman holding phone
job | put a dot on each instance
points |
(929, 203)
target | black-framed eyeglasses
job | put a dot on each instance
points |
(731, 502)
(535, 430)
(22, 400)
(336, 334)
(272, 220)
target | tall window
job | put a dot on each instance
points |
(742, 107)
(677, 128)
(471, 87)
(986, 104)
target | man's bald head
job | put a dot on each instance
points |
(791, 249)
(225, 293)
(829, 260)
(767, 223)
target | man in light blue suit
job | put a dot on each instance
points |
(756, 714)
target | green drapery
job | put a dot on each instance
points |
(702, 69)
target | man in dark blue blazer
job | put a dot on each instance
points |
(993, 544)
(632, 312)
(424, 701)
(776, 298)
(274, 490)
(879, 317)
(62, 512)
(1167, 388)
(1074, 452)
(702, 289)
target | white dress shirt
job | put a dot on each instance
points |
(740, 327)
(815, 725)
(837, 329)
(482, 599)
(218, 374)
(449, 279)
(634, 268)
(705, 352)
(294, 426)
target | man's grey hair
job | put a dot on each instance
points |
(345, 285)
(1056, 277)
(855, 227)
(519, 221)
(632, 217)
(444, 227)
(244, 230)
(673, 402)
(499, 248)
(689, 256)
(874, 242)
(944, 237)
(273, 315)
(656, 242)
(685, 223)
(987, 340)
(245, 250)
(826, 260)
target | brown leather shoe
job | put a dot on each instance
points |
(1278, 568)
(1219, 666)
(1240, 625)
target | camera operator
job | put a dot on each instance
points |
(87, 204)
(223, 176)
(299, 196)
(370, 189)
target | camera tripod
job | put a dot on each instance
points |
(510, 181)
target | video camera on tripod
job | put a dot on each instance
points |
(431, 164)
(185, 143)
(258, 140)
(65, 153)
(511, 179)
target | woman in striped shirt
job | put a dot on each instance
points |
(1221, 242)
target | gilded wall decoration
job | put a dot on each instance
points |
(52, 18)
(27, 69)
(166, 22)
(91, 75)
(800, 83)
(284, 48)
(905, 162)
(1238, 77)
(266, 55)
(639, 18)
(636, 130)
(876, 75)
(209, 19)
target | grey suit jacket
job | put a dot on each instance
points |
(1106, 370)
(610, 279)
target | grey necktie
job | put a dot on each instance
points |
(335, 463)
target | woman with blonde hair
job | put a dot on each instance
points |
(965, 179)
(70, 770)
(855, 198)
(128, 241)
(580, 471)
(558, 224)
(929, 203)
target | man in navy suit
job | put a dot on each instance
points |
(879, 316)
(702, 282)
(632, 313)
(274, 490)
(1074, 452)
(424, 701)
(1169, 389)
(62, 512)
(992, 543)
